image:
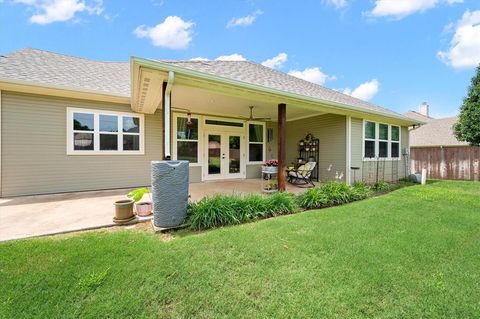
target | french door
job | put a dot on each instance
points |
(225, 156)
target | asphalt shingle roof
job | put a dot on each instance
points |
(418, 116)
(254, 73)
(50, 68)
(437, 132)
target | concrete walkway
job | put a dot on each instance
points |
(29, 216)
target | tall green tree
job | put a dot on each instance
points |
(468, 127)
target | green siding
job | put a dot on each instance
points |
(195, 175)
(254, 171)
(34, 159)
(331, 130)
(368, 169)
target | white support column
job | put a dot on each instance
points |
(348, 152)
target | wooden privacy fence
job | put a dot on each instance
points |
(447, 162)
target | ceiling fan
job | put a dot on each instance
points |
(251, 118)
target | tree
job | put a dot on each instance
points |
(468, 127)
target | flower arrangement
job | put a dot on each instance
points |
(272, 162)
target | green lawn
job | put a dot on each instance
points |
(414, 253)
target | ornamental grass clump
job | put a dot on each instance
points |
(361, 191)
(223, 210)
(332, 194)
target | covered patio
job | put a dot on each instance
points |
(30, 216)
(202, 114)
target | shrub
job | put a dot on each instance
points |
(337, 192)
(313, 198)
(331, 194)
(223, 210)
(216, 211)
(360, 191)
(282, 203)
(381, 186)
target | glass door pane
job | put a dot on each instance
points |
(214, 152)
(234, 154)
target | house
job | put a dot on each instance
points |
(72, 124)
(433, 146)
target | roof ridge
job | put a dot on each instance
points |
(61, 54)
(416, 112)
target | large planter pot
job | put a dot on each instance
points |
(143, 208)
(123, 211)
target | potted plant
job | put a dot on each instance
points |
(142, 208)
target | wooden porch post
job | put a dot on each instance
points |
(282, 115)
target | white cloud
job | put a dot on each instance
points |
(199, 59)
(277, 61)
(244, 21)
(48, 11)
(312, 75)
(339, 4)
(464, 50)
(231, 57)
(173, 33)
(365, 91)
(402, 8)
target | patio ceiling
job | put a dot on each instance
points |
(208, 102)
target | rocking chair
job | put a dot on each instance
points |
(302, 175)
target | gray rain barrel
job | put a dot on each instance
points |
(169, 192)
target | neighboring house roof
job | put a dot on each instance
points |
(418, 116)
(48, 68)
(437, 132)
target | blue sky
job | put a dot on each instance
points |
(395, 53)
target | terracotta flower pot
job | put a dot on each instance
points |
(143, 208)
(123, 210)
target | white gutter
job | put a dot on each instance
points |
(166, 116)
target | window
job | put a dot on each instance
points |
(395, 141)
(187, 139)
(370, 139)
(381, 140)
(103, 132)
(256, 142)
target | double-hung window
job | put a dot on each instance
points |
(103, 132)
(381, 140)
(256, 142)
(370, 139)
(187, 139)
(395, 144)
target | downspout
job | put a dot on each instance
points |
(166, 116)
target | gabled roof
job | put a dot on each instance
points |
(437, 132)
(418, 116)
(254, 73)
(48, 68)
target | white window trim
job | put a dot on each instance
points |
(96, 132)
(263, 143)
(199, 139)
(377, 142)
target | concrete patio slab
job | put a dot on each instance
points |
(29, 216)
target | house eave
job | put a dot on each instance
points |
(61, 91)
